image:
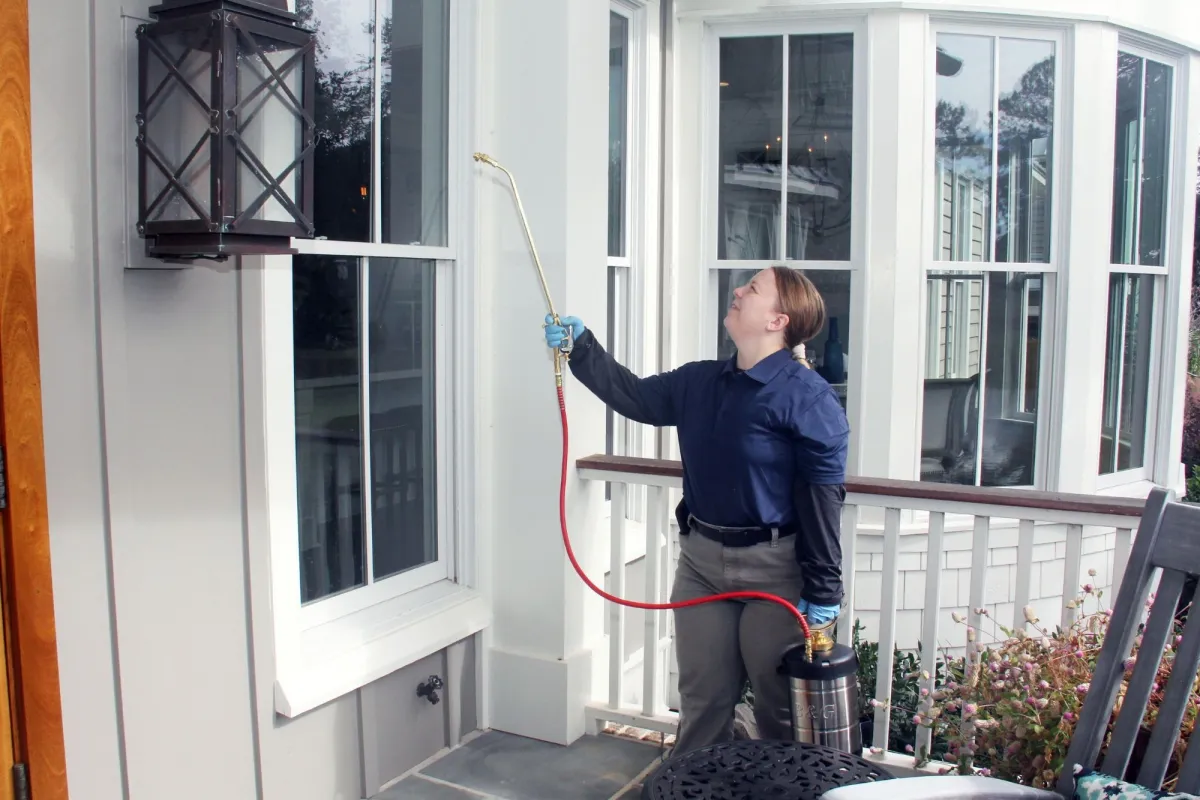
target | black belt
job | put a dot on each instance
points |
(739, 537)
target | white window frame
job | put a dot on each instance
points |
(709, 295)
(335, 645)
(1168, 278)
(1047, 428)
(627, 274)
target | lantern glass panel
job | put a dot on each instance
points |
(177, 126)
(270, 96)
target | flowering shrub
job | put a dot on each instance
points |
(1010, 710)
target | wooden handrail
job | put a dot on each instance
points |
(881, 487)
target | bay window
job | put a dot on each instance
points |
(1138, 262)
(990, 277)
(784, 182)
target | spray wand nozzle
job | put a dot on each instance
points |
(563, 350)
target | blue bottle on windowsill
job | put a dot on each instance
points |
(834, 362)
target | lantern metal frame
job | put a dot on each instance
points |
(222, 229)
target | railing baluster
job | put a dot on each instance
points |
(655, 519)
(845, 627)
(929, 623)
(616, 612)
(979, 557)
(1120, 558)
(887, 626)
(1024, 573)
(1071, 564)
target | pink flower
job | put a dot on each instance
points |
(1068, 716)
(1083, 688)
(1043, 684)
(969, 709)
(908, 748)
(997, 684)
(1088, 588)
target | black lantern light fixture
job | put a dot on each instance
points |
(225, 129)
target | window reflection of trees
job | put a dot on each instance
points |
(1024, 131)
(344, 114)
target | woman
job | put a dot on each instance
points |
(763, 441)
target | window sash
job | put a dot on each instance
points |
(326, 609)
(1054, 36)
(1170, 156)
(710, 146)
(457, 113)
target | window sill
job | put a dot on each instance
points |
(342, 656)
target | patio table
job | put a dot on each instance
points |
(742, 770)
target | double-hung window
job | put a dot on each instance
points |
(374, 362)
(990, 273)
(626, 258)
(786, 133)
(1138, 261)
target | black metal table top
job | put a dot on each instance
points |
(754, 769)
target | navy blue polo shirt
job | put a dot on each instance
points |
(763, 447)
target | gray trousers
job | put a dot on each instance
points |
(718, 645)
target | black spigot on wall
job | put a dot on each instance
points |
(430, 688)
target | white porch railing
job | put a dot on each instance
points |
(914, 555)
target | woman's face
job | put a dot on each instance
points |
(754, 312)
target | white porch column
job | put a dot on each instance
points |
(888, 423)
(543, 87)
(1086, 199)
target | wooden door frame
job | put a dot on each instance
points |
(25, 576)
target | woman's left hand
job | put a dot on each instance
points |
(818, 615)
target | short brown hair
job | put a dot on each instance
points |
(803, 304)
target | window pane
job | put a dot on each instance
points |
(963, 157)
(1025, 134)
(403, 442)
(325, 317)
(618, 104)
(1125, 164)
(820, 117)
(344, 115)
(829, 347)
(750, 183)
(1141, 161)
(1126, 372)
(983, 337)
(415, 105)
(1156, 140)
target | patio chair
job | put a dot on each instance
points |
(1168, 540)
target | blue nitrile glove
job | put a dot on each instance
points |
(555, 334)
(818, 615)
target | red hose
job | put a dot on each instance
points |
(562, 515)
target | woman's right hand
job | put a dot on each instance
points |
(556, 334)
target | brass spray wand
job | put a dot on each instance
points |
(563, 351)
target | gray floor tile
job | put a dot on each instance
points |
(515, 768)
(417, 788)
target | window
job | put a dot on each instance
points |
(626, 261)
(366, 313)
(618, 204)
(784, 183)
(1141, 171)
(990, 277)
